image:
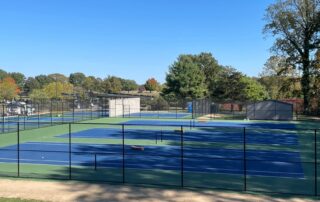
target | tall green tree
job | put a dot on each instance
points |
(252, 90)
(31, 84)
(56, 77)
(280, 79)
(38, 94)
(44, 80)
(234, 86)
(112, 84)
(296, 26)
(77, 78)
(129, 85)
(210, 67)
(185, 79)
(3, 74)
(58, 89)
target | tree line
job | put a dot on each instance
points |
(58, 85)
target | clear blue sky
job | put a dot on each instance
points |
(134, 39)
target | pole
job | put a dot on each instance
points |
(315, 164)
(3, 119)
(123, 156)
(156, 138)
(38, 115)
(244, 160)
(51, 111)
(70, 151)
(182, 166)
(73, 106)
(95, 161)
(62, 114)
(18, 149)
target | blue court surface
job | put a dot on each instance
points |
(252, 137)
(158, 115)
(209, 160)
(277, 125)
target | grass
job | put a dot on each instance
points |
(167, 177)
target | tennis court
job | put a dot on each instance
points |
(260, 156)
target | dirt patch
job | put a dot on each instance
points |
(78, 191)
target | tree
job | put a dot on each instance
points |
(38, 94)
(77, 78)
(253, 90)
(44, 80)
(280, 79)
(112, 84)
(19, 78)
(210, 67)
(234, 86)
(89, 83)
(31, 84)
(3, 74)
(58, 89)
(129, 85)
(56, 77)
(152, 85)
(296, 26)
(228, 86)
(185, 79)
(8, 88)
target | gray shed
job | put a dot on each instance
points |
(270, 110)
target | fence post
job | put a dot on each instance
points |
(24, 122)
(123, 156)
(177, 110)
(38, 115)
(95, 161)
(62, 114)
(70, 151)
(182, 160)
(3, 125)
(315, 164)
(51, 111)
(18, 149)
(91, 106)
(244, 160)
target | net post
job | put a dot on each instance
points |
(315, 164)
(123, 156)
(244, 160)
(182, 160)
(70, 168)
(73, 106)
(18, 150)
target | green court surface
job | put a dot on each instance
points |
(88, 159)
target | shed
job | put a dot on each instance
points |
(270, 110)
